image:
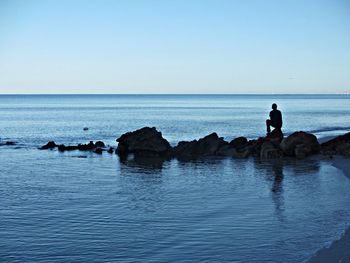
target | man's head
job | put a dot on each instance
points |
(274, 106)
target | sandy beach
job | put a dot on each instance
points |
(339, 250)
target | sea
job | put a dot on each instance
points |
(84, 207)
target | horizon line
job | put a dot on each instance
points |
(162, 94)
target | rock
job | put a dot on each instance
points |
(61, 147)
(300, 144)
(242, 153)
(110, 150)
(239, 142)
(91, 146)
(49, 145)
(86, 129)
(328, 156)
(100, 144)
(226, 150)
(256, 146)
(267, 147)
(143, 142)
(206, 146)
(338, 145)
(270, 150)
(98, 150)
(8, 143)
(343, 149)
(86, 147)
(276, 134)
(238, 152)
(302, 150)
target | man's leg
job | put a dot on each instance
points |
(268, 124)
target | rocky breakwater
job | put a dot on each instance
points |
(148, 142)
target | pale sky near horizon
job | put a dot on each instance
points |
(175, 46)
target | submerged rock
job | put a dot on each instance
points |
(143, 142)
(300, 144)
(8, 143)
(63, 147)
(91, 146)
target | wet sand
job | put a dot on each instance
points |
(339, 251)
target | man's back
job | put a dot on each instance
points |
(276, 118)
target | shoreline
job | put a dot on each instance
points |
(339, 250)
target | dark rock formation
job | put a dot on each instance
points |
(143, 142)
(63, 148)
(239, 142)
(256, 146)
(267, 147)
(226, 150)
(237, 148)
(338, 145)
(276, 134)
(49, 145)
(148, 143)
(86, 147)
(270, 149)
(98, 150)
(100, 144)
(300, 144)
(207, 146)
(91, 146)
(8, 143)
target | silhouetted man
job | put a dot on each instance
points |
(275, 119)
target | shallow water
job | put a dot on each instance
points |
(61, 207)
(82, 207)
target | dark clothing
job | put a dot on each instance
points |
(275, 120)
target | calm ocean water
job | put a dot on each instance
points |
(82, 207)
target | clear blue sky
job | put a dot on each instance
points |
(174, 46)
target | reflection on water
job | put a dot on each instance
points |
(277, 168)
(277, 189)
(58, 208)
(274, 170)
(150, 164)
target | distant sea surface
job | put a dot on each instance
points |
(82, 207)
